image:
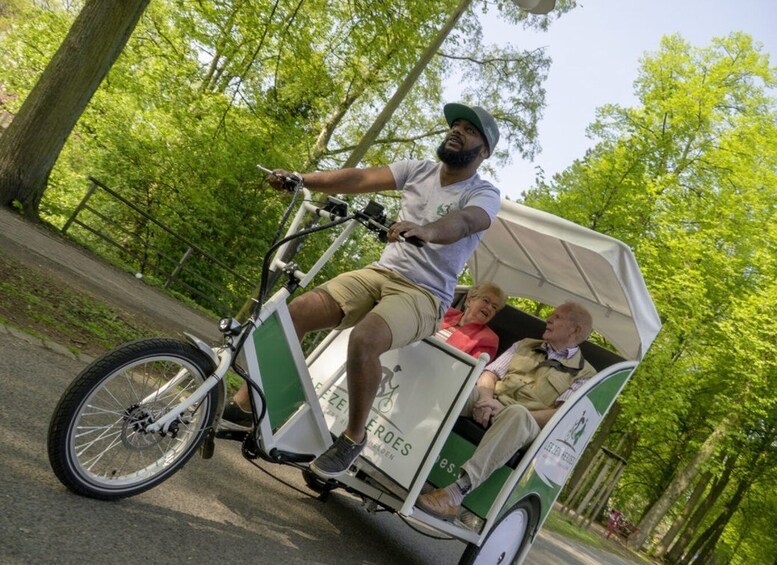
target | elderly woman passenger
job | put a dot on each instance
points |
(467, 330)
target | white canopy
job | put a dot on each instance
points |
(536, 255)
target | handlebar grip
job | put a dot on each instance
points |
(413, 240)
(292, 181)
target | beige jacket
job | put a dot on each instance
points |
(536, 382)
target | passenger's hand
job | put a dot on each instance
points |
(482, 415)
(406, 230)
(485, 410)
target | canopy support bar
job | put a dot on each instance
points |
(582, 273)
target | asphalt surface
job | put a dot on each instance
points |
(223, 509)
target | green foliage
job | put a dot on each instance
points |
(39, 305)
(204, 91)
(689, 179)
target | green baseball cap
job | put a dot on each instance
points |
(478, 117)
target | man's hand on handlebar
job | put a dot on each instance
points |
(284, 180)
(405, 232)
(400, 231)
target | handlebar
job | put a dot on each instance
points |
(291, 183)
(412, 240)
(373, 217)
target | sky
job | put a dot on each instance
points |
(596, 50)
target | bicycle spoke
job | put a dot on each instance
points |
(110, 447)
(89, 463)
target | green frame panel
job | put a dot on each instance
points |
(455, 452)
(280, 378)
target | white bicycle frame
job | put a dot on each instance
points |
(306, 432)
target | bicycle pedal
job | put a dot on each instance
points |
(234, 435)
(251, 448)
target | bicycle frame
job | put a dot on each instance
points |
(305, 435)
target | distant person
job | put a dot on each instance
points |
(401, 298)
(514, 398)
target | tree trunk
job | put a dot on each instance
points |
(707, 541)
(684, 478)
(322, 142)
(604, 497)
(693, 502)
(579, 490)
(218, 62)
(388, 110)
(716, 491)
(32, 143)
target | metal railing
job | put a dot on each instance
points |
(174, 272)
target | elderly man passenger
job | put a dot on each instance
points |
(515, 397)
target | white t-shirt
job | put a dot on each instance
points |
(434, 266)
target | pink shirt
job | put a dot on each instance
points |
(473, 339)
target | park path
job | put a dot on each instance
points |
(46, 249)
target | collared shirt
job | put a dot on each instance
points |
(561, 354)
(471, 338)
(564, 396)
(500, 365)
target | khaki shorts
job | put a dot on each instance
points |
(411, 312)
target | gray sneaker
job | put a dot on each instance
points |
(338, 458)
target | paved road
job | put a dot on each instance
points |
(222, 509)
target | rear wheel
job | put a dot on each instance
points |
(98, 445)
(504, 542)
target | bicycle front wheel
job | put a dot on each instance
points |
(98, 445)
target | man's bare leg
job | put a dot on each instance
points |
(369, 339)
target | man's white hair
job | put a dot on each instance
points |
(579, 316)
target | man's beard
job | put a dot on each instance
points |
(457, 159)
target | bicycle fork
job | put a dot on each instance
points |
(223, 356)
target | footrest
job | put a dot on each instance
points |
(234, 435)
(288, 457)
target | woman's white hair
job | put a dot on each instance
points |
(484, 287)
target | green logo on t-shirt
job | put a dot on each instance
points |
(443, 209)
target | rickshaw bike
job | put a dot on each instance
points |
(137, 414)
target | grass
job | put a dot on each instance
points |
(38, 303)
(45, 307)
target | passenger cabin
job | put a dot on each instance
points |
(512, 324)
